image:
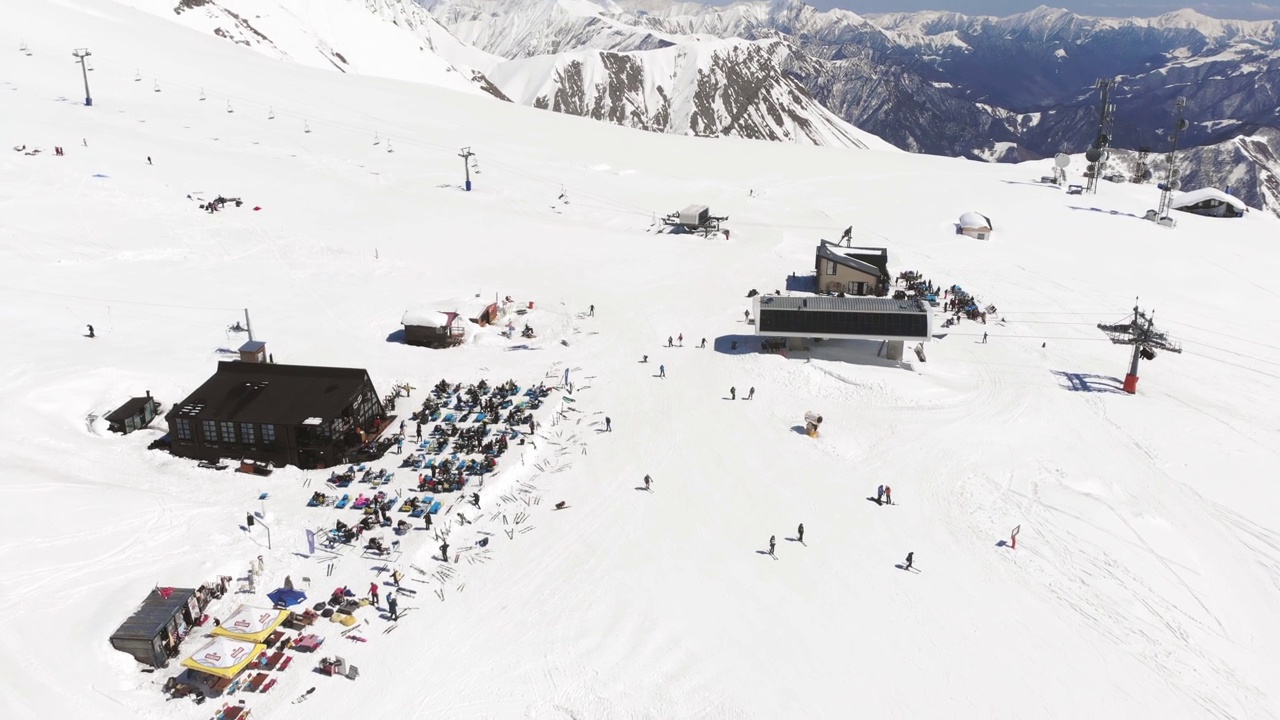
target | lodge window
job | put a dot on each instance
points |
(184, 429)
(821, 322)
(209, 429)
(268, 433)
(831, 267)
(246, 433)
(228, 431)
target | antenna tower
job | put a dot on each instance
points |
(1140, 332)
(1097, 152)
(1142, 166)
(1172, 171)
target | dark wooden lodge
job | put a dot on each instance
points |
(311, 417)
(152, 633)
(135, 414)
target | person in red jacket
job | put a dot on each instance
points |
(373, 592)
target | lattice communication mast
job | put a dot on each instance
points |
(1097, 153)
(1140, 332)
(1172, 174)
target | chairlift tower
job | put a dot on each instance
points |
(466, 156)
(80, 54)
(1098, 151)
(1140, 332)
(1172, 172)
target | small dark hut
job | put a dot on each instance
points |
(151, 635)
(135, 414)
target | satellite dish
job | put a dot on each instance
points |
(1062, 160)
(1091, 168)
(1146, 175)
(1183, 124)
(1174, 172)
(1093, 155)
(1173, 185)
(1103, 140)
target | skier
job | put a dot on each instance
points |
(662, 371)
(148, 159)
(703, 346)
(644, 358)
(444, 551)
(773, 541)
(680, 339)
(608, 424)
(984, 338)
(396, 577)
(591, 311)
(733, 393)
(800, 533)
(373, 593)
(647, 482)
(669, 343)
(910, 559)
(888, 495)
(391, 606)
(751, 393)
(475, 499)
(880, 495)
(91, 331)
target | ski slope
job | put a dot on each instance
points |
(1146, 581)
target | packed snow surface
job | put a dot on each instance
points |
(1146, 579)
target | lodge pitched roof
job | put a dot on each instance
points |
(271, 393)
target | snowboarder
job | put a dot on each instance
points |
(880, 495)
(373, 593)
(391, 606)
(733, 393)
(608, 424)
(148, 159)
(910, 559)
(703, 346)
(647, 482)
(751, 393)
(444, 551)
(773, 541)
(888, 495)
(669, 343)
(680, 339)
(662, 371)
(984, 338)
(591, 311)
(800, 533)
(91, 331)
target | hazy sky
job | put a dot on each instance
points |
(1267, 10)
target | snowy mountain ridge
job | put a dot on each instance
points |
(712, 88)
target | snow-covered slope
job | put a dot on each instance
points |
(1145, 582)
(388, 38)
(732, 88)
(525, 28)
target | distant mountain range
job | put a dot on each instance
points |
(998, 89)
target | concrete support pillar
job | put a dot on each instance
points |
(894, 350)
